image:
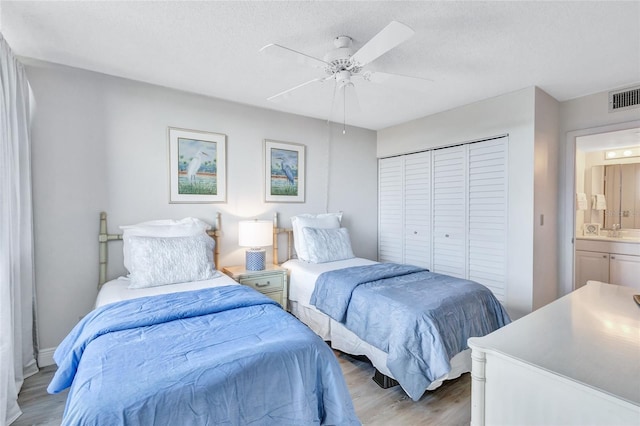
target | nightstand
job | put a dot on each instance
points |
(271, 281)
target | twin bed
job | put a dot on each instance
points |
(177, 342)
(412, 324)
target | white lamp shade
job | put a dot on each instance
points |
(255, 233)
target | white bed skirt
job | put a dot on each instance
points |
(346, 341)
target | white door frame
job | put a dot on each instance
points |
(568, 200)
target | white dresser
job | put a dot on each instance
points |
(575, 361)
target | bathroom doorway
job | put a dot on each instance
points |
(608, 181)
(568, 226)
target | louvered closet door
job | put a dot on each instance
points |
(417, 209)
(449, 211)
(487, 207)
(390, 210)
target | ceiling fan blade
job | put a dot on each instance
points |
(283, 95)
(398, 81)
(291, 55)
(390, 36)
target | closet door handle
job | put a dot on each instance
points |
(446, 235)
(612, 257)
(604, 256)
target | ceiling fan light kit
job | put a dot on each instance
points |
(341, 63)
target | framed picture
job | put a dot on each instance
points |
(197, 166)
(284, 172)
(591, 229)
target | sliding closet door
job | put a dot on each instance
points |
(450, 211)
(417, 209)
(487, 206)
(390, 209)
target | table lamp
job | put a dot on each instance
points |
(255, 234)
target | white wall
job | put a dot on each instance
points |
(579, 117)
(100, 143)
(511, 114)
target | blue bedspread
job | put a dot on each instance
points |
(419, 318)
(220, 356)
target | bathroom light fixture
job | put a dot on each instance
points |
(255, 234)
(622, 153)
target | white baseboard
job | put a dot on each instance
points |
(45, 357)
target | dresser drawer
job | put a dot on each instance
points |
(265, 284)
(277, 296)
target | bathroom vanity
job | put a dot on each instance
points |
(613, 260)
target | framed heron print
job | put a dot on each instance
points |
(283, 172)
(197, 166)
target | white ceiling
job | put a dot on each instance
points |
(471, 50)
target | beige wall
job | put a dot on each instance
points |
(100, 143)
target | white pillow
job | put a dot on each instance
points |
(159, 261)
(162, 228)
(321, 221)
(327, 245)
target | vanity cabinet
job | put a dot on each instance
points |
(607, 261)
(624, 270)
(591, 265)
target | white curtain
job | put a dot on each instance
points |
(17, 348)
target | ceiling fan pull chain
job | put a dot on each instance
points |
(344, 110)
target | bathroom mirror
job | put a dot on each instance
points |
(622, 193)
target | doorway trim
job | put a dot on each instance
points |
(567, 240)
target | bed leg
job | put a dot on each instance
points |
(385, 382)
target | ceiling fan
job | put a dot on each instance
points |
(345, 67)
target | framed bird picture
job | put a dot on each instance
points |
(197, 166)
(284, 172)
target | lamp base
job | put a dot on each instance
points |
(254, 260)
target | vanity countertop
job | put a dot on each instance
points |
(632, 240)
(627, 246)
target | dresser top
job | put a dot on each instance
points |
(591, 336)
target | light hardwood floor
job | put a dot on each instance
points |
(448, 405)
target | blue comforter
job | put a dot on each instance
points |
(220, 356)
(419, 318)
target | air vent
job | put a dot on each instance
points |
(624, 99)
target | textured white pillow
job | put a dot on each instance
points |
(320, 221)
(161, 228)
(168, 260)
(327, 245)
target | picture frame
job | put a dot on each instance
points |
(284, 172)
(197, 166)
(591, 229)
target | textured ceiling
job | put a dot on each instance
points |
(471, 50)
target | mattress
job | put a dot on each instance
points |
(303, 276)
(118, 289)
